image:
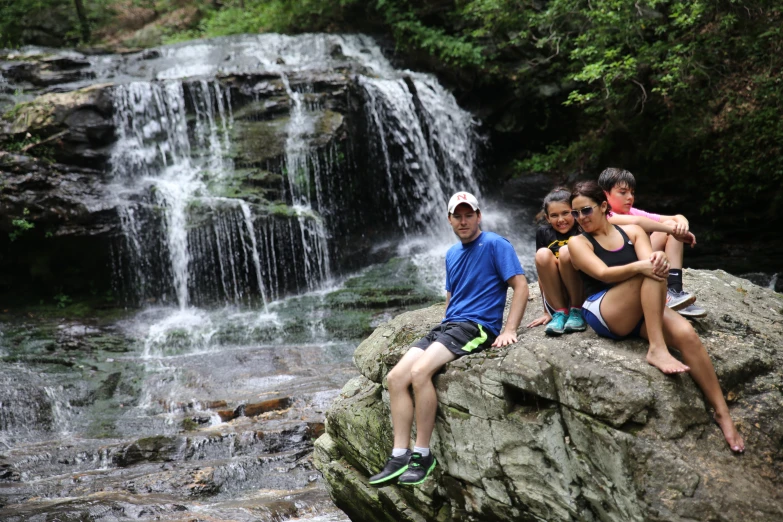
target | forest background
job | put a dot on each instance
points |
(687, 94)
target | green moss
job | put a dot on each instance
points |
(256, 142)
(94, 308)
(281, 210)
(455, 413)
(394, 284)
(349, 324)
(11, 114)
(188, 424)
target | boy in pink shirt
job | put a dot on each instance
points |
(620, 186)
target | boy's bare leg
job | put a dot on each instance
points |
(674, 249)
(434, 358)
(679, 333)
(571, 279)
(399, 380)
(549, 278)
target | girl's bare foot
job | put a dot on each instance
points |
(664, 361)
(730, 433)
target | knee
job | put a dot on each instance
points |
(419, 377)
(641, 279)
(398, 379)
(685, 337)
(565, 255)
(544, 257)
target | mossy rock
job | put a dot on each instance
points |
(256, 142)
(150, 449)
(265, 109)
(349, 324)
(254, 185)
(327, 126)
(393, 284)
(48, 111)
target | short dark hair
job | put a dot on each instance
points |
(611, 177)
(590, 189)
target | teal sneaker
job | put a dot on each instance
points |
(418, 470)
(575, 322)
(557, 325)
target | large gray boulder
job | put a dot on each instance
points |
(577, 427)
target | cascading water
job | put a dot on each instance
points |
(175, 156)
(430, 164)
(250, 174)
(298, 159)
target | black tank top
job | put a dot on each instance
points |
(624, 256)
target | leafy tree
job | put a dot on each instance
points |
(673, 89)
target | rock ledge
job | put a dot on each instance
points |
(577, 427)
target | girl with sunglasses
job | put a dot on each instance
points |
(625, 284)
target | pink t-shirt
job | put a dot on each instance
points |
(642, 213)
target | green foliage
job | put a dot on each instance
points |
(62, 299)
(254, 16)
(16, 145)
(582, 155)
(746, 163)
(20, 145)
(678, 82)
(647, 83)
(20, 225)
(21, 18)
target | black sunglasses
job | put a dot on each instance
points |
(586, 211)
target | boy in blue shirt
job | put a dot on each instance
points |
(479, 271)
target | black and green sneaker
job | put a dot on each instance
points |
(394, 467)
(419, 469)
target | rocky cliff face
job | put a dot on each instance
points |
(62, 120)
(198, 170)
(577, 427)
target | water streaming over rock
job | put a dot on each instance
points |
(250, 176)
(327, 114)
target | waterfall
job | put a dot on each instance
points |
(360, 144)
(144, 113)
(417, 176)
(250, 175)
(299, 157)
(161, 163)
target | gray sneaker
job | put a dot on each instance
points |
(679, 300)
(693, 312)
(395, 466)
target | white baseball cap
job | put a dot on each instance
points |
(463, 197)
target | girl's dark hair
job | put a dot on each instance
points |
(590, 189)
(558, 194)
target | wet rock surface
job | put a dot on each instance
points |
(96, 424)
(577, 427)
(272, 140)
(65, 199)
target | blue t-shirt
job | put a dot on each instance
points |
(476, 275)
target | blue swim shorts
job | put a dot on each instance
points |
(591, 310)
